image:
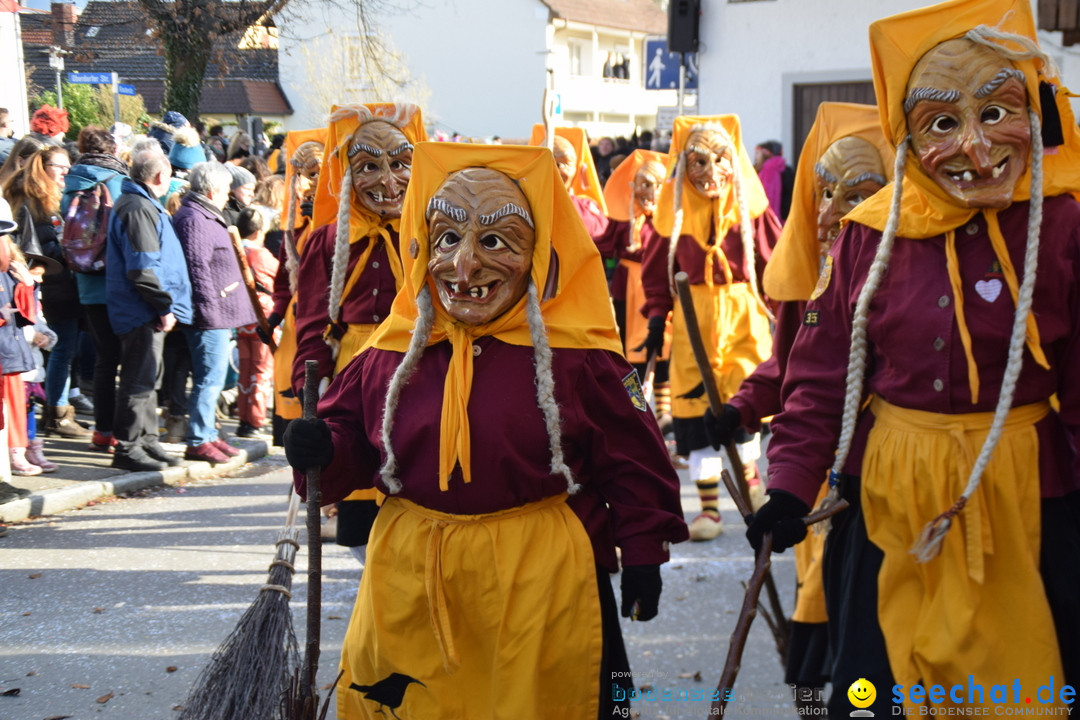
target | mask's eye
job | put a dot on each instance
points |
(943, 124)
(447, 241)
(369, 167)
(827, 194)
(993, 115)
(855, 198)
(398, 165)
(493, 242)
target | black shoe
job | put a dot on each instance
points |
(157, 452)
(247, 430)
(137, 461)
(82, 404)
(9, 492)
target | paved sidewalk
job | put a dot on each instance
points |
(85, 475)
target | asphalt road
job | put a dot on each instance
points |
(110, 611)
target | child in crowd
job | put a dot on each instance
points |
(256, 362)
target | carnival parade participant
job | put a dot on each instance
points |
(844, 161)
(631, 194)
(955, 289)
(480, 591)
(304, 150)
(715, 224)
(355, 254)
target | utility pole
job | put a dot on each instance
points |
(56, 62)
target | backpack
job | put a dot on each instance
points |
(86, 227)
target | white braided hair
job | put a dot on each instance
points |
(292, 258)
(545, 386)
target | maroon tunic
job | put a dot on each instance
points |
(630, 494)
(916, 359)
(690, 258)
(367, 304)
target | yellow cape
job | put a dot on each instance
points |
(698, 210)
(585, 182)
(566, 270)
(792, 271)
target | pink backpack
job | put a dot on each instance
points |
(86, 226)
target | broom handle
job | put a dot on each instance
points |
(249, 284)
(308, 687)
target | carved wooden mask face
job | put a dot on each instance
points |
(967, 114)
(647, 185)
(482, 238)
(709, 166)
(850, 171)
(307, 161)
(565, 159)
(381, 159)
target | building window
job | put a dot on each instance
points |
(579, 57)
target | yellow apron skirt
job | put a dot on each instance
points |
(637, 325)
(285, 405)
(979, 608)
(736, 334)
(498, 615)
(809, 583)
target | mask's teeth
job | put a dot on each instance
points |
(998, 170)
(968, 177)
(476, 292)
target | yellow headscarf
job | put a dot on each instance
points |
(404, 116)
(699, 211)
(293, 140)
(793, 268)
(619, 190)
(585, 182)
(897, 44)
(566, 271)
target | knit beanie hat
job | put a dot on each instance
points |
(175, 119)
(186, 149)
(240, 176)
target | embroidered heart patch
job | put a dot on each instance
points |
(988, 289)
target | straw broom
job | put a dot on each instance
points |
(251, 669)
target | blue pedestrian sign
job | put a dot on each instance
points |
(90, 78)
(662, 67)
(125, 89)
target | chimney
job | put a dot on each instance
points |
(64, 17)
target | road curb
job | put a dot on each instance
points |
(70, 497)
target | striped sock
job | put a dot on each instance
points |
(662, 399)
(709, 492)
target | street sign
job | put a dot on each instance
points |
(665, 116)
(662, 67)
(90, 78)
(125, 89)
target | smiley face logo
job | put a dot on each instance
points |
(862, 693)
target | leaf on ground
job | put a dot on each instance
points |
(105, 698)
(58, 717)
(697, 676)
(32, 672)
(80, 686)
(11, 692)
(26, 614)
(334, 617)
(99, 610)
(34, 576)
(686, 676)
(328, 686)
(171, 668)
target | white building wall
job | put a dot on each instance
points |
(752, 53)
(13, 79)
(483, 62)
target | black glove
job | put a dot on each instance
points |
(307, 208)
(308, 444)
(263, 335)
(641, 587)
(654, 341)
(783, 516)
(720, 431)
(273, 321)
